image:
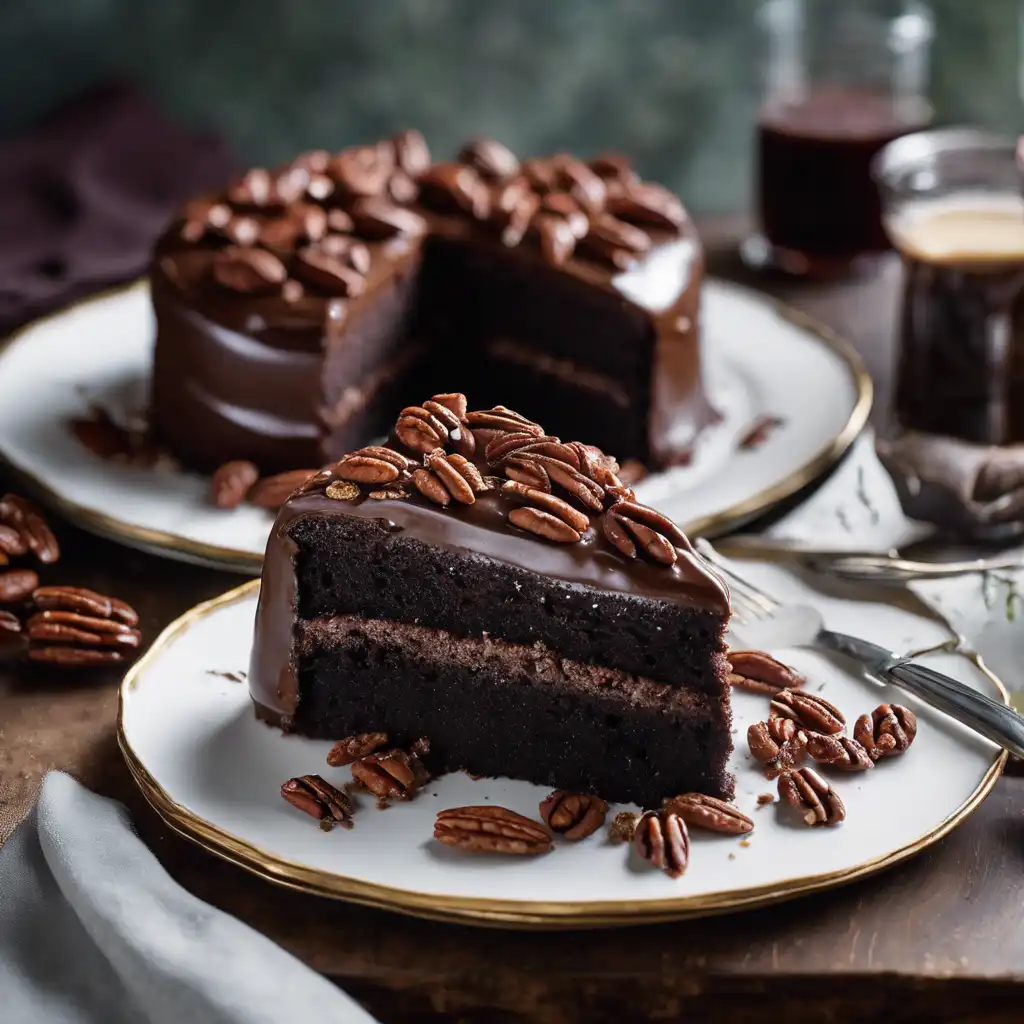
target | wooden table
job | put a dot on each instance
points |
(938, 938)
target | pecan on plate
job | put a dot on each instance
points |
(231, 482)
(16, 585)
(488, 829)
(628, 523)
(808, 710)
(817, 802)
(395, 774)
(271, 492)
(838, 752)
(319, 799)
(573, 815)
(662, 838)
(708, 812)
(77, 628)
(623, 827)
(888, 731)
(352, 748)
(26, 519)
(779, 744)
(759, 672)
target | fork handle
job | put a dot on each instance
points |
(999, 723)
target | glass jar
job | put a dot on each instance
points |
(839, 81)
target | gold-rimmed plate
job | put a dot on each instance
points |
(213, 773)
(761, 360)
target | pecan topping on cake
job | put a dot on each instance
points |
(623, 827)
(319, 799)
(809, 710)
(629, 521)
(759, 672)
(543, 524)
(74, 627)
(887, 731)
(490, 158)
(431, 425)
(838, 752)
(708, 812)
(662, 838)
(412, 154)
(573, 815)
(502, 418)
(352, 748)
(372, 465)
(817, 802)
(487, 829)
(547, 503)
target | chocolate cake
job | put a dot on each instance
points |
(297, 309)
(502, 593)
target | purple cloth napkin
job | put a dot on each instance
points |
(85, 193)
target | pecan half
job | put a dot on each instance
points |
(503, 446)
(377, 218)
(272, 492)
(487, 829)
(352, 748)
(231, 482)
(319, 799)
(459, 477)
(11, 542)
(26, 518)
(573, 815)
(838, 752)
(662, 838)
(548, 503)
(555, 236)
(396, 774)
(411, 152)
(249, 271)
(78, 627)
(86, 602)
(887, 731)
(647, 203)
(759, 672)
(362, 170)
(623, 827)
(459, 434)
(629, 521)
(330, 274)
(420, 430)
(779, 744)
(430, 486)
(708, 812)
(817, 802)
(543, 524)
(587, 492)
(502, 418)
(490, 158)
(16, 585)
(363, 468)
(455, 188)
(809, 710)
(453, 401)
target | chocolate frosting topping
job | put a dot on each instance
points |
(574, 520)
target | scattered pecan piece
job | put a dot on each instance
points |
(272, 492)
(352, 748)
(779, 744)
(838, 752)
(80, 628)
(548, 503)
(573, 815)
(25, 517)
(759, 672)
(487, 829)
(397, 774)
(809, 710)
(231, 483)
(623, 827)
(763, 799)
(319, 799)
(656, 534)
(708, 812)
(817, 802)
(16, 585)
(887, 731)
(543, 524)
(663, 838)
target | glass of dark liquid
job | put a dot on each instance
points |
(840, 80)
(953, 209)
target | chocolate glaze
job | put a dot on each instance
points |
(239, 375)
(482, 528)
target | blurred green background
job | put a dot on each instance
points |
(672, 82)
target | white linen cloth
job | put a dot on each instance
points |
(94, 931)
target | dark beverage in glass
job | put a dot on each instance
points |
(955, 214)
(840, 82)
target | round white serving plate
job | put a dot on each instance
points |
(214, 773)
(761, 359)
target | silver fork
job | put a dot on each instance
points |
(767, 622)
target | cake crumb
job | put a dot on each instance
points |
(732, 856)
(744, 843)
(765, 798)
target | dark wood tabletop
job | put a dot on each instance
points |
(937, 938)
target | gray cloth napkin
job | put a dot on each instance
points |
(94, 931)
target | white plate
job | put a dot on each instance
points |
(214, 773)
(761, 360)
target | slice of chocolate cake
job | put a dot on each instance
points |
(485, 585)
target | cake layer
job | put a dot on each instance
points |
(562, 723)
